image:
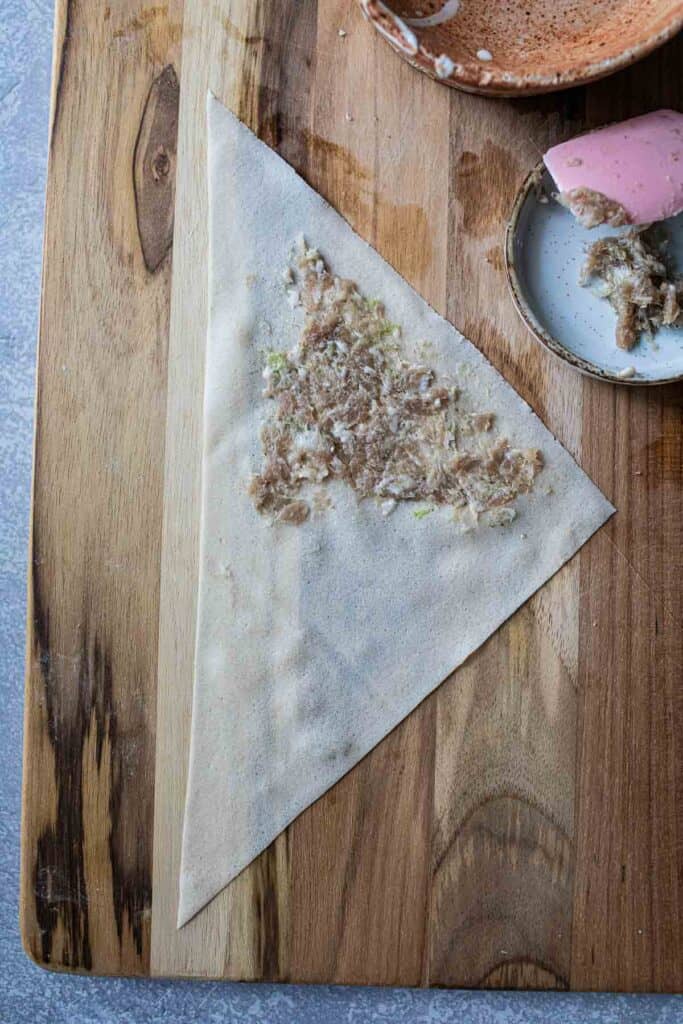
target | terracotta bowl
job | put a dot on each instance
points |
(522, 47)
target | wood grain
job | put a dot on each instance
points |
(520, 828)
(628, 912)
(97, 498)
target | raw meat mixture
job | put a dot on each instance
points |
(634, 276)
(348, 406)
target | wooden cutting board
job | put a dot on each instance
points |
(524, 826)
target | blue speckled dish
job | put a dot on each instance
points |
(544, 250)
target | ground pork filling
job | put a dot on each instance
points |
(592, 208)
(633, 274)
(347, 406)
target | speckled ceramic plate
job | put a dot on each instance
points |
(510, 48)
(544, 250)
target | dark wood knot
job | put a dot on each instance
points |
(154, 165)
(161, 163)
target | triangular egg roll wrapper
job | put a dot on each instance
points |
(313, 642)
